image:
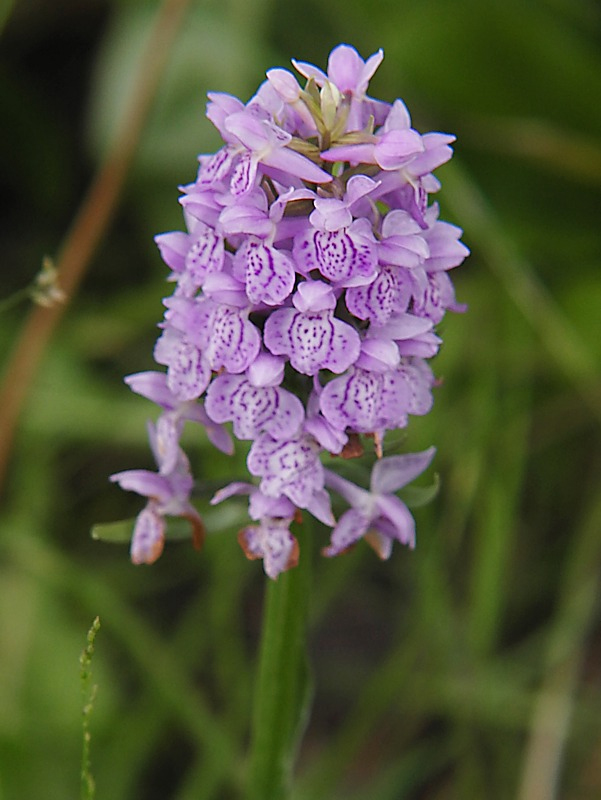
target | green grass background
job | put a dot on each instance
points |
(469, 668)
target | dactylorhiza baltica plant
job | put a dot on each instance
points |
(308, 285)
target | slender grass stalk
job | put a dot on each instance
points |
(88, 786)
(282, 696)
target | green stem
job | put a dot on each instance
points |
(282, 695)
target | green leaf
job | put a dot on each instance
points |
(120, 532)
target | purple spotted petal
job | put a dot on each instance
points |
(188, 372)
(268, 272)
(352, 401)
(289, 467)
(389, 294)
(243, 177)
(234, 341)
(339, 256)
(216, 167)
(313, 341)
(365, 401)
(438, 296)
(273, 542)
(253, 409)
(205, 255)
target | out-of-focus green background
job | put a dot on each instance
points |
(469, 668)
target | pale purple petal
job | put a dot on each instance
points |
(253, 409)
(153, 386)
(396, 148)
(418, 381)
(436, 153)
(168, 432)
(231, 490)
(398, 117)
(310, 71)
(388, 294)
(320, 506)
(351, 526)
(363, 153)
(188, 372)
(289, 467)
(392, 473)
(269, 272)
(402, 326)
(285, 84)
(273, 542)
(223, 289)
(313, 341)
(330, 214)
(216, 167)
(314, 296)
(297, 165)
(148, 537)
(244, 175)
(145, 483)
(234, 342)
(173, 248)
(340, 256)
(395, 521)
(266, 370)
(206, 254)
(378, 355)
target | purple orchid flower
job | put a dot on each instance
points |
(168, 494)
(309, 278)
(271, 539)
(291, 467)
(377, 515)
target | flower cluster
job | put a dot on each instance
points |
(308, 284)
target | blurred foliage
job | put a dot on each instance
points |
(469, 668)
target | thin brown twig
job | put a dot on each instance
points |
(89, 225)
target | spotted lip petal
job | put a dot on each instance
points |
(234, 341)
(269, 273)
(273, 542)
(253, 409)
(290, 467)
(312, 340)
